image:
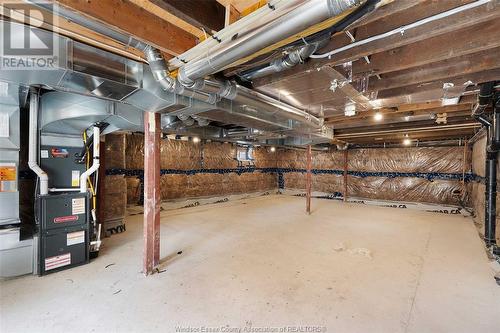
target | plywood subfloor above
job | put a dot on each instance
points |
(348, 267)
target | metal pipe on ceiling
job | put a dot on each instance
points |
(229, 90)
(203, 90)
(278, 65)
(309, 14)
(273, 10)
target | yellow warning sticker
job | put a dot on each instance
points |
(8, 177)
(75, 178)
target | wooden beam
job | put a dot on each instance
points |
(152, 198)
(457, 81)
(308, 179)
(416, 126)
(432, 91)
(463, 20)
(423, 136)
(164, 14)
(395, 112)
(459, 43)
(397, 118)
(232, 15)
(465, 64)
(203, 14)
(136, 21)
(71, 30)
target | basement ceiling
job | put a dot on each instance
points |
(409, 77)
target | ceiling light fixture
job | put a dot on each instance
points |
(378, 116)
(406, 140)
(196, 139)
(273, 149)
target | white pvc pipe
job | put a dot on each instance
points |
(95, 162)
(33, 146)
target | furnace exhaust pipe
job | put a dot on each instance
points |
(33, 144)
(95, 161)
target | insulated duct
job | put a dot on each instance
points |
(33, 144)
(295, 21)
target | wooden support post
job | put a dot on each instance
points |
(346, 154)
(308, 180)
(152, 198)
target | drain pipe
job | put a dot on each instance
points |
(491, 179)
(33, 144)
(492, 143)
(95, 161)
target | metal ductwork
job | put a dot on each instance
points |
(297, 20)
(71, 114)
(227, 90)
(133, 83)
(278, 65)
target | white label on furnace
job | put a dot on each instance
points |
(4, 125)
(73, 238)
(57, 261)
(75, 178)
(44, 154)
(78, 206)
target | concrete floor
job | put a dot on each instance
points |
(264, 263)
